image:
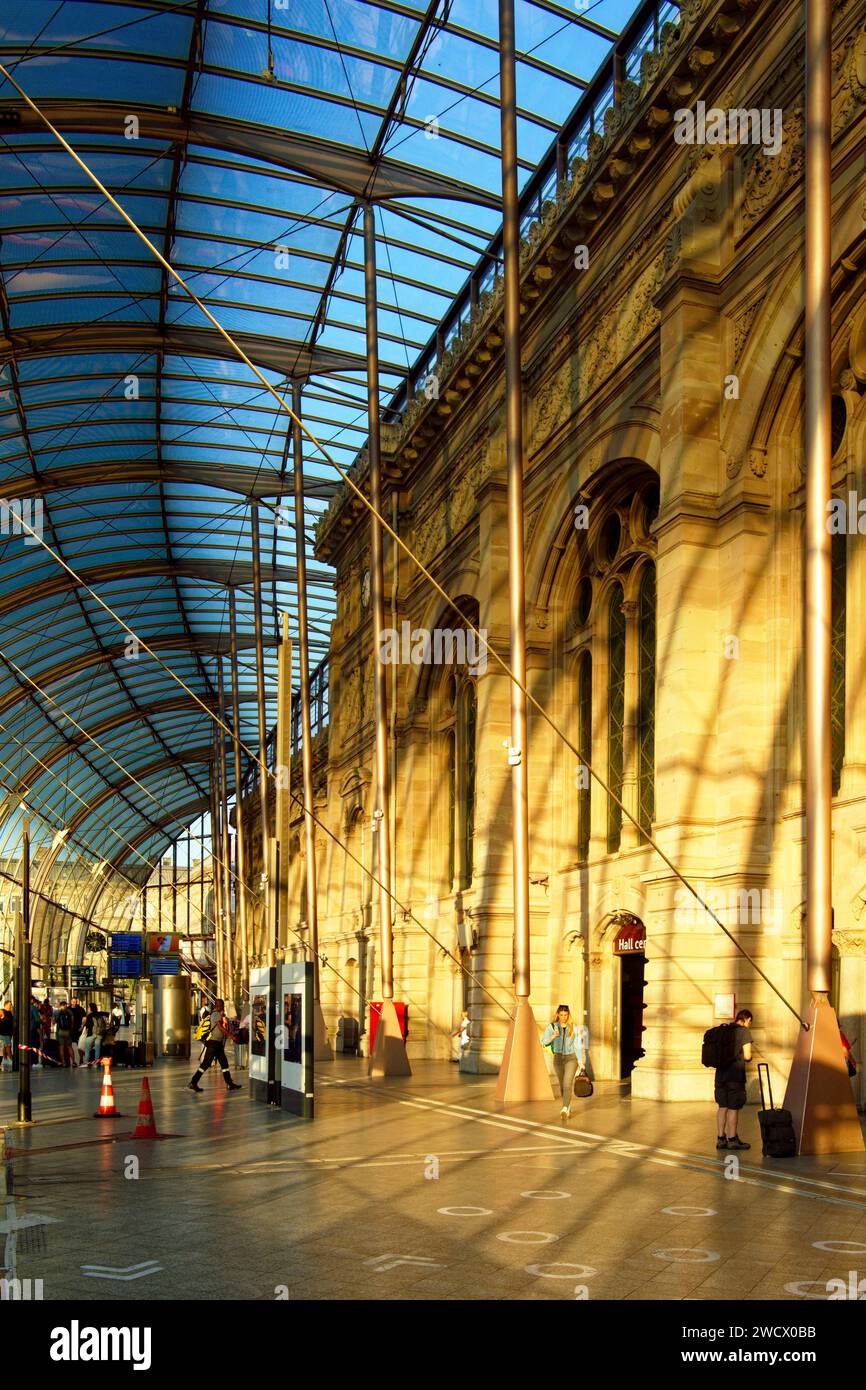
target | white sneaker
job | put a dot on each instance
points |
(564, 1113)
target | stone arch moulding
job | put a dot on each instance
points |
(769, 358)
(438, 614)
(554, 562)
(629, 906)
(353, 793)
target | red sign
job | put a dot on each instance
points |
(630, 940)
(376, 1013)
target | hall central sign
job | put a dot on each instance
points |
(630, 940)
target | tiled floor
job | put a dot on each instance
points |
(628, 1200)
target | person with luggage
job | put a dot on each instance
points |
(566, 1043)
(730, 1082)
(215, 1048)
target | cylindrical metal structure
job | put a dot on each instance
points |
(144, 1019)
(818, 573)
(514, 467)
(381, 811)
(240, 848)
(260, 707)
(304, 663)
(25, 1100)
(216, 850)
(171, 1007)
(223, 864)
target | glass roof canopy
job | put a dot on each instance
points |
(242, 136)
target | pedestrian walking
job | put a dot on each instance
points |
(215, 1048)
(63, 1023)
(567, 1044)
(7, 1035)
(463, 1035)
(77, 1020)
(730, 1082)
(36, 1031)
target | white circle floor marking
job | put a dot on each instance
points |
(801, 1289)
(541, 1195)
(464, 1211)
(689, 1211)
(840, 1247)
(687, 1255)
(528, 1237)
(576, 1271)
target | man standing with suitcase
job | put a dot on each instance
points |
(730, 1085)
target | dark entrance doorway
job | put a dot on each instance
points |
(631, 1009)
(629, 944)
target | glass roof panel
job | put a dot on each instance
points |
(144, 434)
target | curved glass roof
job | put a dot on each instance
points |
(243, 136)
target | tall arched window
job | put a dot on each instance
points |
(837, 658)
(584, 743)
(646, 697)
(615, 714)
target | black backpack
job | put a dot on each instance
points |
(720, 1046)
(64, 1021)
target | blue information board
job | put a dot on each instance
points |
(126, 941)
(124, 965)
(163, 965)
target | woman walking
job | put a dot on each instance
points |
(566, 1043)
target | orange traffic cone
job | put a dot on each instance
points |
(107, 1110)
(146, 1126)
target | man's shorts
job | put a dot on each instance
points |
(64, 1037)
(730, 1095)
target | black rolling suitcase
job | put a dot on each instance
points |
(777, 1126)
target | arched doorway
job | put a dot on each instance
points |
(629, 945)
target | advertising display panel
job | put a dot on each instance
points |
(295, 1037)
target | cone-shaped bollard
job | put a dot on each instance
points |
(107, 1109)
(388, 1057)
(322, 1051)
(146, 1125)
(819, 1094)
(523, 1075)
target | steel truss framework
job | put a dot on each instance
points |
(245, 139)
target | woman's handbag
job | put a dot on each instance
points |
(582, 1086)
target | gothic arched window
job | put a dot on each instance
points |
(615, 714)
(646, 697)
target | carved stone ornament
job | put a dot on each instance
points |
(849, 79)
(743, 326)
(446, 517)
(766, 178)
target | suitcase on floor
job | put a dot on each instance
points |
(777, 1126)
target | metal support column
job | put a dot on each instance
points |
(223, 864)
(25, 1100)
(240, 848)
(819, 1093)
(263, 730)
(321, 1046)
(523, 1075)
(388, 1057)
(216, 898)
